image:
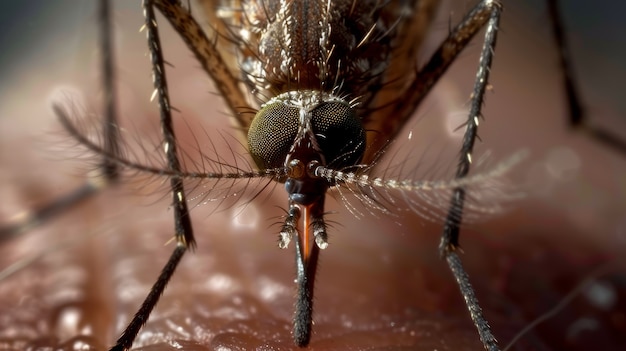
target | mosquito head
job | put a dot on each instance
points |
(300, 129)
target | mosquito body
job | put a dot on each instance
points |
(325, 74)
(308, 58)
(331, 83)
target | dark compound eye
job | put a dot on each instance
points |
(336, 127)
(339, 133)
(272, 133)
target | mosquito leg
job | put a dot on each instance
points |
(110, 169)
(428, 75)
(127, 338)
(451, 232)
(208, 56)
(108, 172)
(577, 113)
(182, 222)
(450, 237)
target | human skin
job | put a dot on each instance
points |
(380, 284)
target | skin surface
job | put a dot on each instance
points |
(381, 284)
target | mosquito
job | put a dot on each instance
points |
(309, 153)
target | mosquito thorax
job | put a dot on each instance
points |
(299, 129)
(313, 44)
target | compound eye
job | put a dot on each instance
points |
(272, 133)
(339, 133)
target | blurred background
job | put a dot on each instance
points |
(380, 284)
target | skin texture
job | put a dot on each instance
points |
(381, 285)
